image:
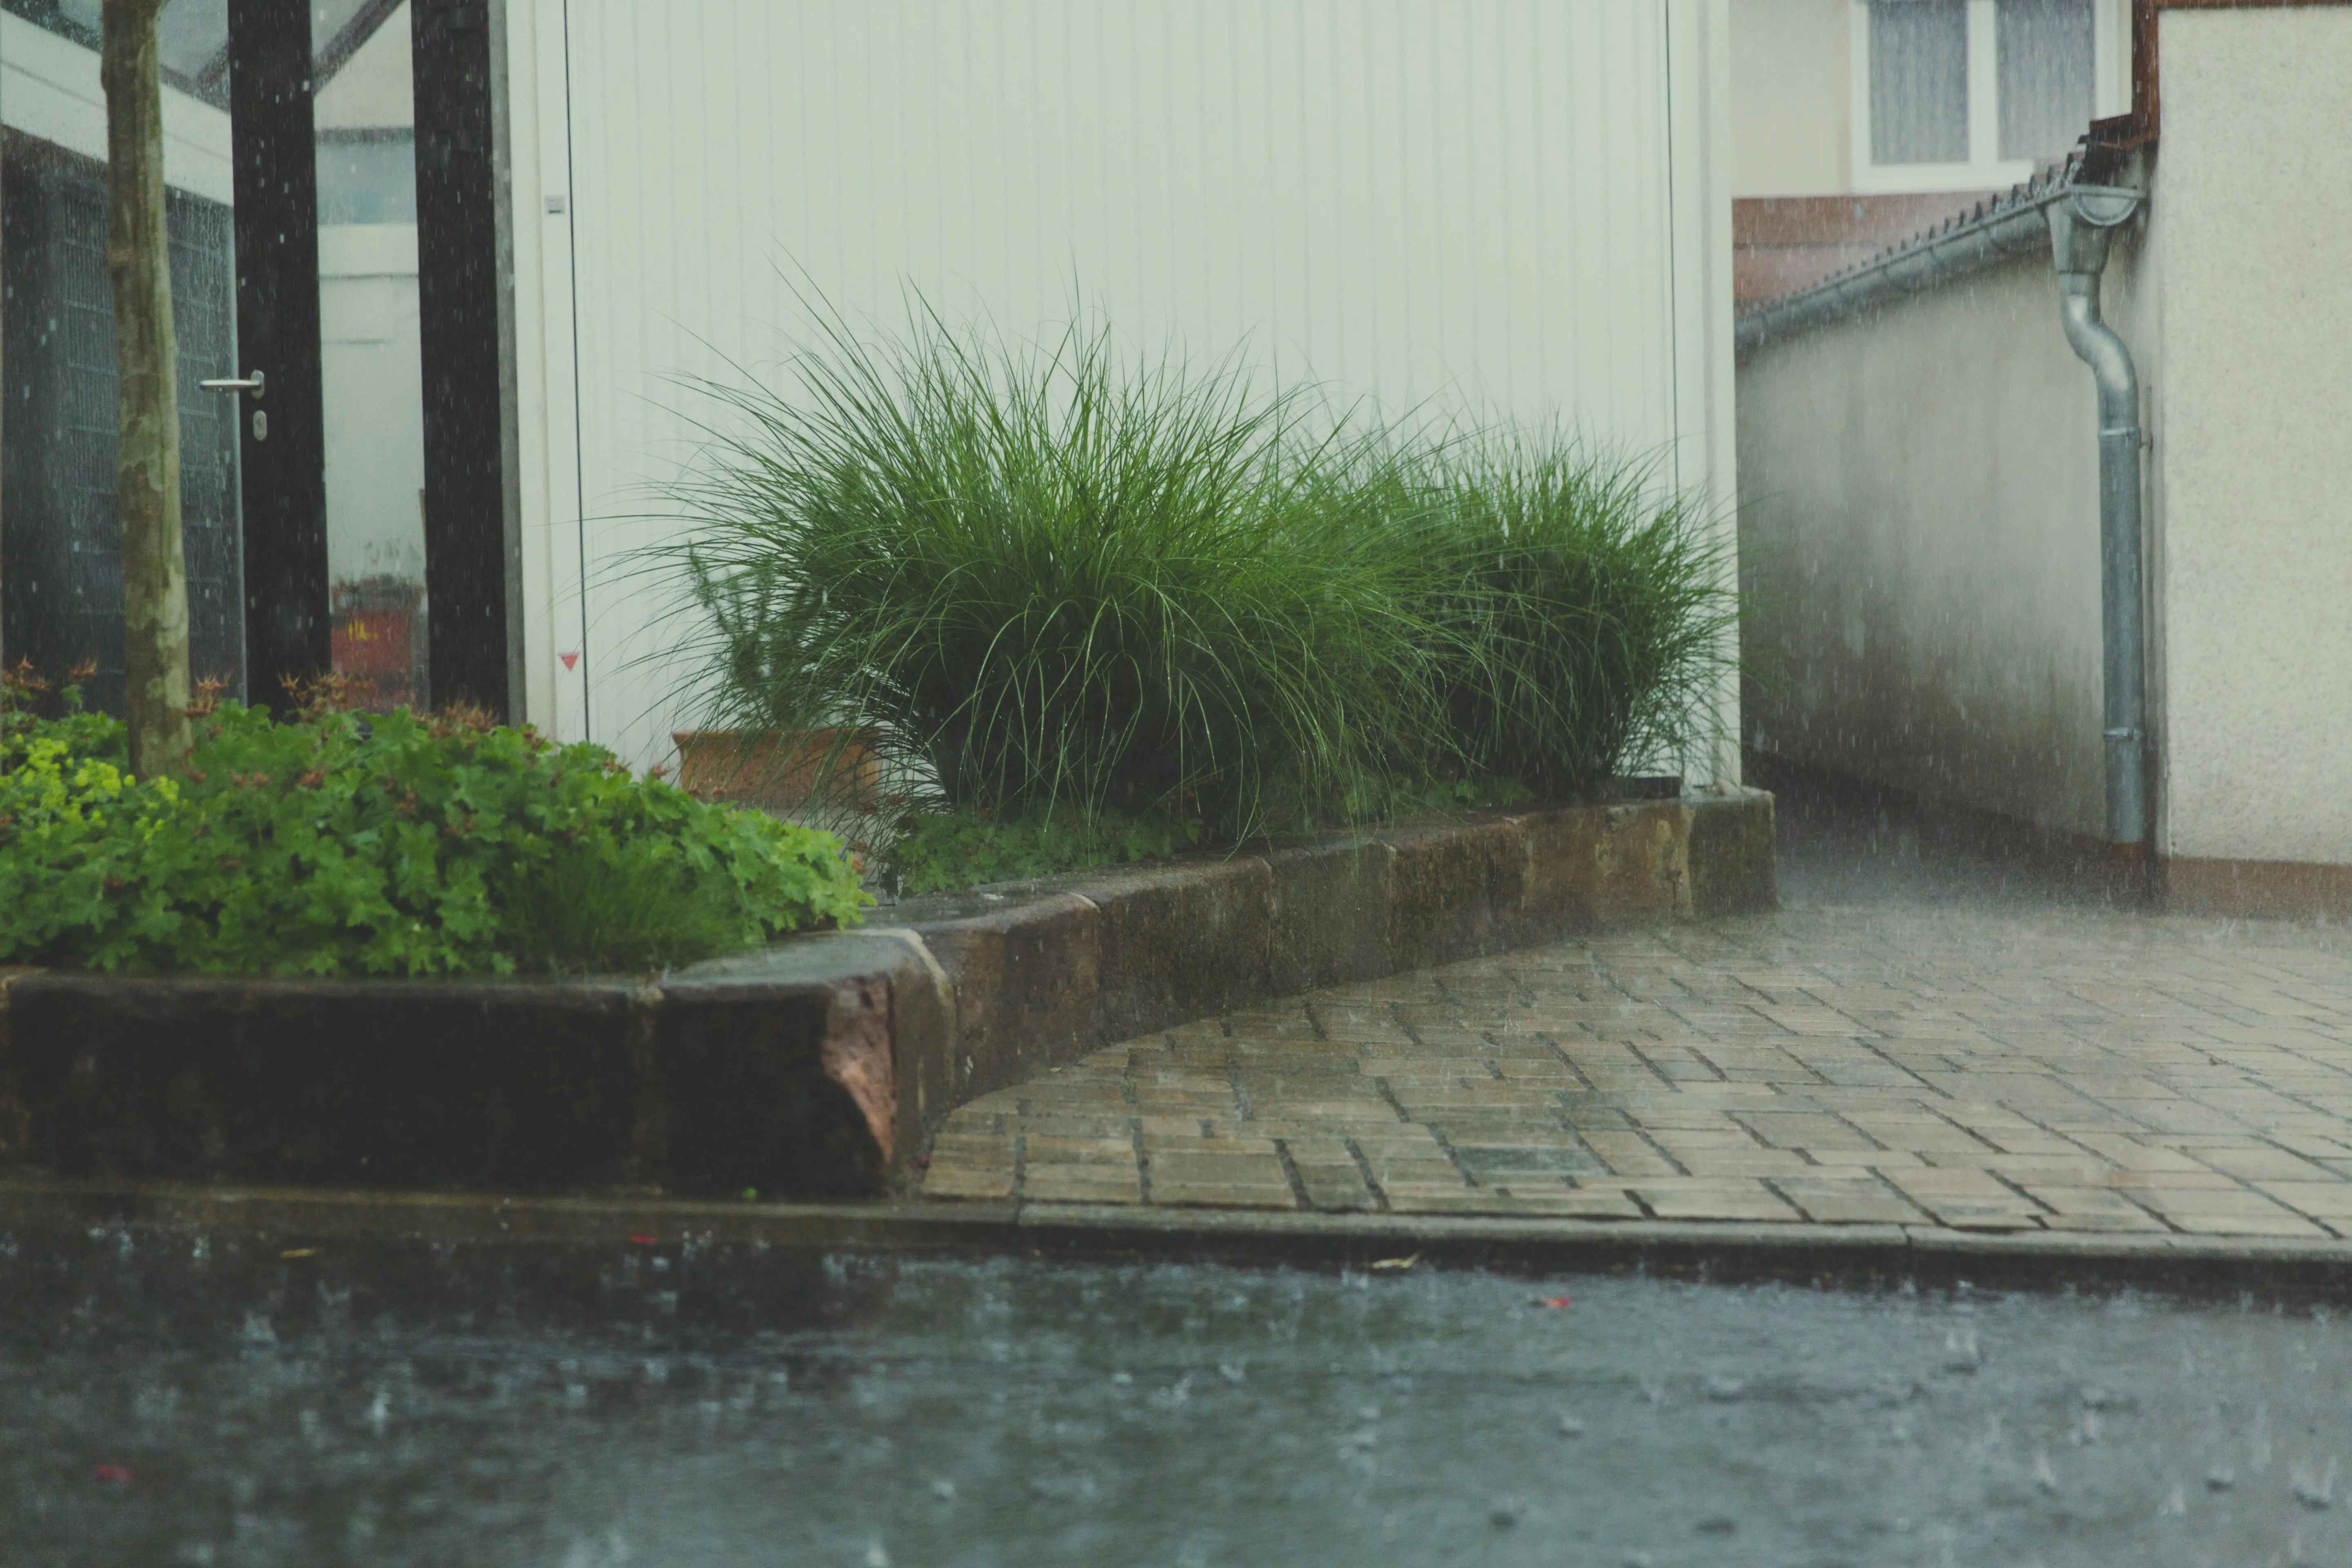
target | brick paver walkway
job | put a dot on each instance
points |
(2064, 1071)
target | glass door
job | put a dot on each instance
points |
(60, 562)
(329, 383)
(340, 518)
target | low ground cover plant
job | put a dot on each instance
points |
(394, 844)
(1070, 592)
(938, 851)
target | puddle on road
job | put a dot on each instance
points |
(744, 1407)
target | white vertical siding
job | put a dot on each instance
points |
(1429, 203)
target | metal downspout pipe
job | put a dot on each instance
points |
(2082, 222)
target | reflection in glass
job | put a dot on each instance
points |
(2046, 70)
(1918, 81)
(372, 369)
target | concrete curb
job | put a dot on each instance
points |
(817, 1067)
(57, 1213)
(772, 1072)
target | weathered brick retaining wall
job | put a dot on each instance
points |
(814, 1067)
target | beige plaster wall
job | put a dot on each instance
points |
(1791, 98)
(2253, 458)
(1919, 545)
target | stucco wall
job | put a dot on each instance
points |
(2254, 238)
(1919, 546)
(1791, 98)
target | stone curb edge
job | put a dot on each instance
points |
(1720, 1252)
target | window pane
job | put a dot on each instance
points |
(2045, 75)
(371, 357)
(1918, 81)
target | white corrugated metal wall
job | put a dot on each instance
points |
(1509, 205)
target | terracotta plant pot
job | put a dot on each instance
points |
(776, 770)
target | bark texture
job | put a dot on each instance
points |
(146, 349)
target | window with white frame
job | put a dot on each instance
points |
(1968, 94)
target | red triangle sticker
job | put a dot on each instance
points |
(571, 660)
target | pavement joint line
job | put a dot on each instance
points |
(1290, 1175)
(1364, 1170)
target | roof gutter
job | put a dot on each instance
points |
(2011, 226)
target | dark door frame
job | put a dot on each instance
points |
(469, 551)
(281, 432)
(469, 566)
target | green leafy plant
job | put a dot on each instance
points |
(392, 844)
(1052, 579)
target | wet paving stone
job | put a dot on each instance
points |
(2000, 1069)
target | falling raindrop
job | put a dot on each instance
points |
(2044, 1475)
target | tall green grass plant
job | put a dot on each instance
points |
(1587, 627)
(1052, 579)
(1048, 577)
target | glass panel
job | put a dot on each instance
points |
(192, 36)
(1918, 81)
(61, 593)
(371, 369)
(2046, 69)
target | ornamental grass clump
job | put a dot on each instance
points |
(394, 845)
(1586, 623)
(1053, 578)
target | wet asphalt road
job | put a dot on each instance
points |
(649, 1406)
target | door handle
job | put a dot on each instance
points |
(252, 383)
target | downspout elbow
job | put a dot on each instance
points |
(2095, 344)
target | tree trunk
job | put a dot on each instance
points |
(146, 348)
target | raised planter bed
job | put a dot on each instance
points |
(813, 1069)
